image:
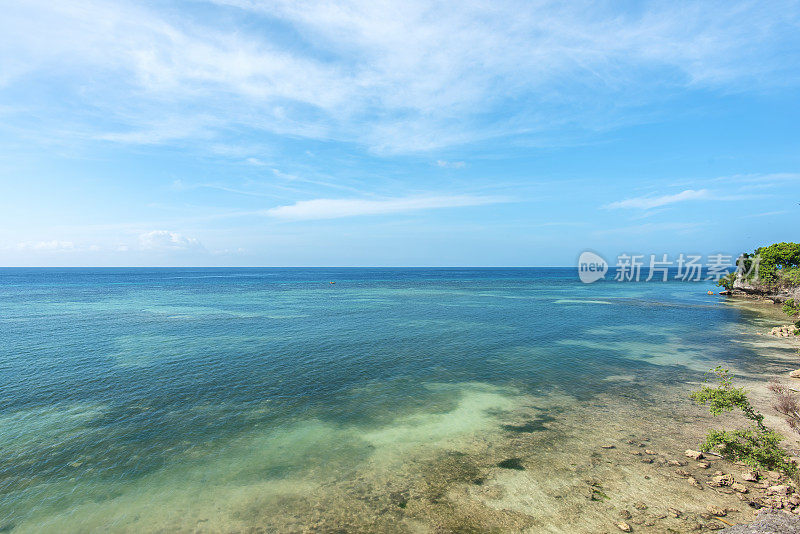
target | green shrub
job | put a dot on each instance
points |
(756, 445)
(727, 281)
(791, 308)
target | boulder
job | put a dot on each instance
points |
(694, 455)
(716, 511)
(741, 488)
(721, 480)
(750, 476)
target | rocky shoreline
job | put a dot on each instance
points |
(774, 295)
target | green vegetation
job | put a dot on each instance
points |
(727, 281)
(779, 263)
(791, 308)
(756, 445)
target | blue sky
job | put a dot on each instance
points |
(241, 132)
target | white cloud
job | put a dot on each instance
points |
(47, 246)
(164, 240)
(395, 76)
(325, 208)
(650, 202)
(450, 164)
(651, 229)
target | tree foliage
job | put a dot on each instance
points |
(727, 281)
(777, 259)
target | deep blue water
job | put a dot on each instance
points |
(108, 376)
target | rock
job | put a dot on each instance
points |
(694, 455)
(624, 514)
(716, 510)
(750, 476)
(674, 512)
(640, 505)
(794, 499)
(682, 473)
(741, 488)
(774, 475)
(608, 446)
(779, 490)
(795, 373)
(721, 480)
(651, 453)
(624, 527)
(703, 465)
(693, 482)
(678, 463)
(647, 460)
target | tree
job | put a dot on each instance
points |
(727, 281)
(777, 259)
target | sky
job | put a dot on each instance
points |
(394, 133)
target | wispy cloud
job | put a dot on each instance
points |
(650, 202)
(46, 246)
(394, 76)
(650, 229)
(766, 214)
(164, 240)
(450, 164)
(327, 208)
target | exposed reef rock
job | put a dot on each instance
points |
(776, 294)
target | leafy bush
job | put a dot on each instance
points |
(790, 307)
(756, 445)
(727, 281)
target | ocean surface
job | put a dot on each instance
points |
(234, 399)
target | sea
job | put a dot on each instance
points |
(350, 399)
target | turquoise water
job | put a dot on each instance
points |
(147, 399)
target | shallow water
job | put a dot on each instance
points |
(235, 399)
